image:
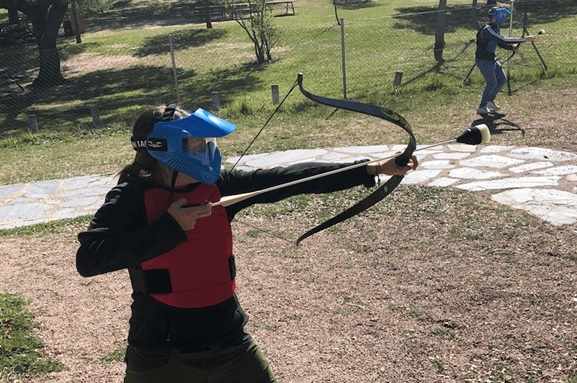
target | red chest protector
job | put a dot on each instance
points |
(201, 270)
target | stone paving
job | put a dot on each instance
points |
(540, 181)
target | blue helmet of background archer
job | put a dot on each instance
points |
(499, 14)
(188, 145)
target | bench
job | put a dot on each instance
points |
(238, 10)
(216, 13)
(241, 10)
(287, 5)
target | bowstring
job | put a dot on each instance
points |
(264, 126)
(245, 151)
(260, 229)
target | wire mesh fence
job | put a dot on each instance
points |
(352, 57)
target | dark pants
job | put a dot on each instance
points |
(495, 78)
(244, 363)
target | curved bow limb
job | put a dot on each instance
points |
(401, 160)
(372, 110)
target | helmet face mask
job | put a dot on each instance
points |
(201, 150)
(188, 145)
(196, 145)
(500, 14)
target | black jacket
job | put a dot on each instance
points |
(120, 237)
(489, 38)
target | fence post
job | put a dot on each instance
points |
(174, 68)
(398, 79)
(95, 114)
(215, 101)
(343, 58)
(274, 90)
(32, 123)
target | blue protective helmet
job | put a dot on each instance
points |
(499, 14)
(188, 145)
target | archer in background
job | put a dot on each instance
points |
(187, 325)
(488, 38)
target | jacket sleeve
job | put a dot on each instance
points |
(504, 42)
(119, 235)
(239, 181)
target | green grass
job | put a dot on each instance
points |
(136, 71)
(20, 352)
(117, 355)
(43, 229)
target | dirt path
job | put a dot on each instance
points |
(491, 297)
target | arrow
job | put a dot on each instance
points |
(478, 134)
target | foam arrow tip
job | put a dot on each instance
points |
(475, 135)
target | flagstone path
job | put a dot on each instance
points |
(540, 181)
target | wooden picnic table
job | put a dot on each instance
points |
(287, 4)
(239, 10)
(216, 12)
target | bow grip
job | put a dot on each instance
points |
(402, 159)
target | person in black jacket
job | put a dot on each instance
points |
(159, 223)
(488, 39)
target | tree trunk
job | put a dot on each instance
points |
(13, 17)
(474, 19)
(47, 20)
(207, 14)
(49, 74)
(259, 29)
(75, 22)
(440, 31)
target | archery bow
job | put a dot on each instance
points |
(381, 192)
(401, 160)
(472, 136)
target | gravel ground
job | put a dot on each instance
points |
(431, 286)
